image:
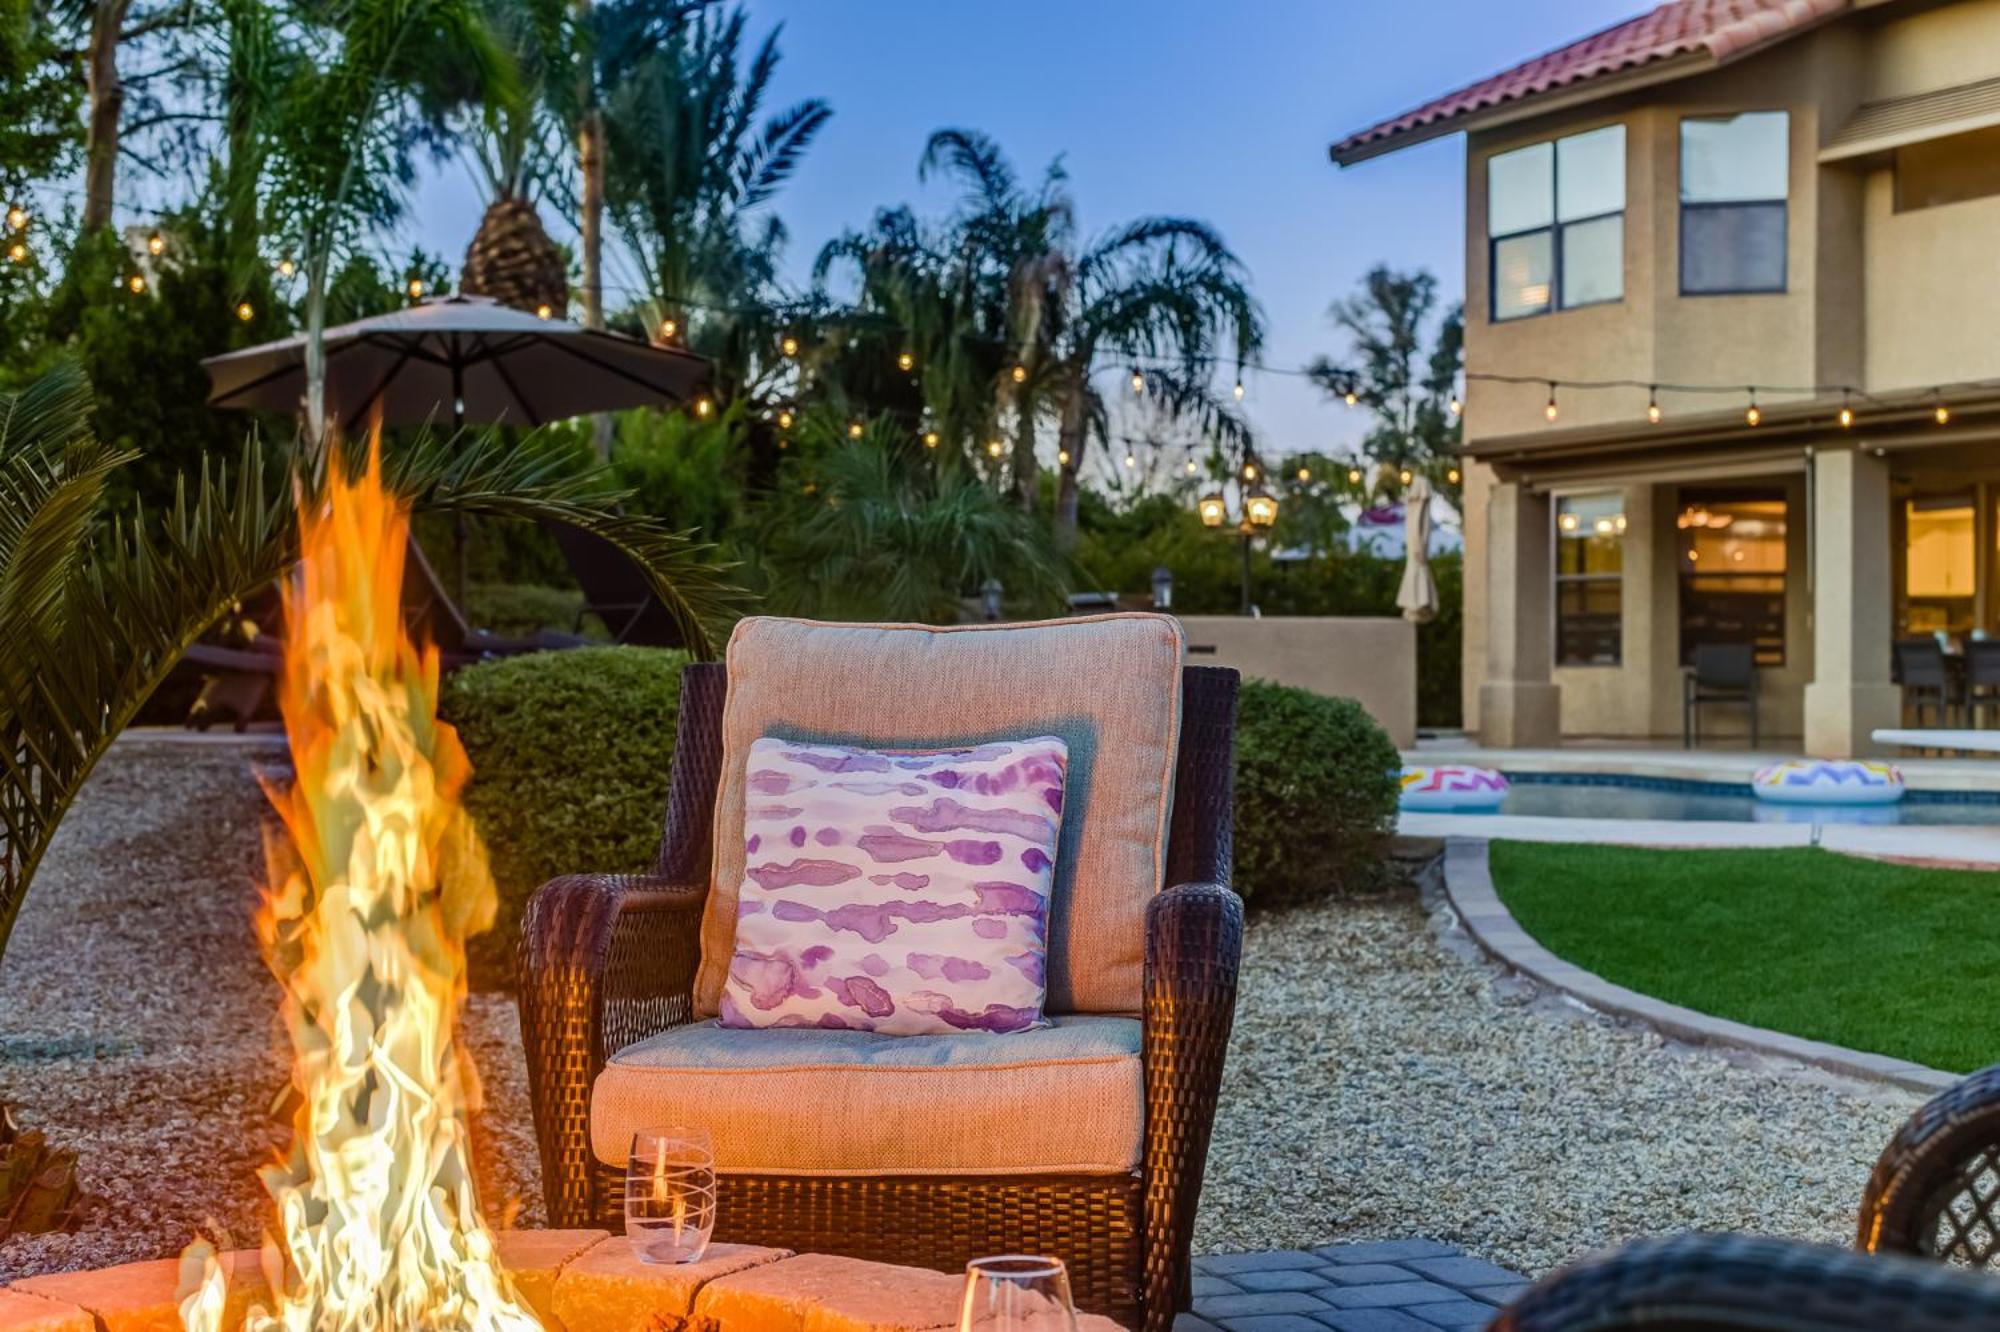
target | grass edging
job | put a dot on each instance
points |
(1468, 885)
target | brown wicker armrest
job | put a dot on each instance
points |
(1930, 1191)
(606, 960)
(1194, 946)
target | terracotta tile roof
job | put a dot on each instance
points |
(1723, 29)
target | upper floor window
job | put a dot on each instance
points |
(1555, 223)
(1734, 173)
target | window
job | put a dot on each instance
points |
(1732, 563)
(1555, 223)
(1734, 171)
(1939, 564)
(1590, 580)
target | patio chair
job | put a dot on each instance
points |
(614, 590)
(1743, 1283)
(1935, 1191)
(1721, 673)
(1925, 675)
(612, 975)
(1982, 677)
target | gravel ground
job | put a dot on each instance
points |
(1381, 1084)
(1386, 1084)
(139, 1026)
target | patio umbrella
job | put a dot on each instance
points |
(1418, 596)
(463, 358)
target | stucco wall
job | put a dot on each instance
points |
(1371, 660)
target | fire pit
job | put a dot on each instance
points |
(571, 1280)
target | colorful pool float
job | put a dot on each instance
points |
(1451, 786)
(1829, 782)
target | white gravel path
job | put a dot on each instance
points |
(1379, 1086)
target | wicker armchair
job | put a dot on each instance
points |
(609, 960)
(1936, 1189)
(1740, 1283)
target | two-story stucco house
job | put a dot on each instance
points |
(1791, 205)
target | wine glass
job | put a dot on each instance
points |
(1017, 1293)
(670, 1194)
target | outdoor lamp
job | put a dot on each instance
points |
(1260, 509)
(1163, 588)
(1213, 510)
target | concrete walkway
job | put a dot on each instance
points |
(1386, 1286)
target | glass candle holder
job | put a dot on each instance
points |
(1017, 1293)
(670, 1194)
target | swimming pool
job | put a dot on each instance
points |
(1614, 796)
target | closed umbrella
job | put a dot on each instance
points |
(459, 359)
(1418, 596)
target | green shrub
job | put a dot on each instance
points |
(1315, 796)
(570, 757)
(519, 609)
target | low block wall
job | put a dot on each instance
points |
(1372, 660)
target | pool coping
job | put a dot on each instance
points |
(1468, 886)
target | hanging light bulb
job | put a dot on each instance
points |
(17, 217)
(544, 311)
(1404, 476)
(1062, 457)
(669, 329)
(1455, 406)
(1019, 374)
(1138, 382)
(993, 448)
(1753, 414)
(1846, 412)
(785, 419)
(1131, 460)
(1192, 467)
(854, 430)
(286, 268)
(1238, 390)
(1350, 397)
(1452, 476)
(789, 345)
(930, 439)
(136, 283)
(703, 406)
(1354, 476)
(784, 443)
(415, 287)
(906, 362)
(245, 311)
(18, 253)
(1941, 413)
(156, 245)
(1550, 411)
(1653, 404)
(1249, 471)
(1305, 474)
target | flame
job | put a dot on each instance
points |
(375, 886)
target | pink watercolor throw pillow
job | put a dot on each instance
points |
(896, 892)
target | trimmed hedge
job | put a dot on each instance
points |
(1316, 796)
(570, 752)
(519, 609)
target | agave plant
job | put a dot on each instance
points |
(95, 612)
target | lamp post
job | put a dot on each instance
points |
(1260, 512)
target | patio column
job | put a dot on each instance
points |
(1850, 694)
(1518, 704)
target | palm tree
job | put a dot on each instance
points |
(94, 613)
(691, 159)
(518, 148)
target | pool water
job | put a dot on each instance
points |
(1595, 796)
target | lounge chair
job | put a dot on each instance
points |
(614, 590)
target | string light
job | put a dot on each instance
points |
(1456, 407)
(416, 288)
(854, 430)
(136, 283)
(1062, 457)
(1020, 373)
(1452, 476)
(286, 268)
(1350, 397)
(702, 407)
(789, 345)
(785, 421)
(544, 311)
(1404, 476)
(930, 439)
(1249, 471)
(1550, 410)
(156, 245)
(670, 329)
(1192, 468)
(1138, 382)
(906, 362)
(1846, 412)
(245, 311)
(1354, 476)
(1131, 460)
(1305, 474)
(1653, 404)
(18, 252)
(1940, 413)
(17, 218)
(993, 448)
(1238, 390)
(1753, 415)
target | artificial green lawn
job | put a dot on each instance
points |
(1896, 959)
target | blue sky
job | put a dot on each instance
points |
(1218, 110)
